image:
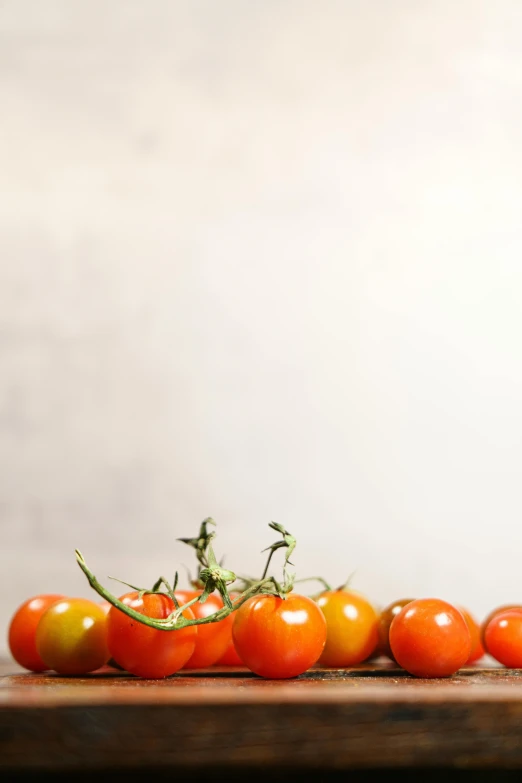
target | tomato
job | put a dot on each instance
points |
(491, 615)
(430, 638)
(212, 639)
(230, 657)
(351, 623)
(477, 649)
(71, 637)
(279, 637)
(385, 620)
(503, 638)
(22, 631)
(145, 651)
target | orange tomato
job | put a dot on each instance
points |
(22, 631)
(213, 638)
(352, 632)
(477, 648)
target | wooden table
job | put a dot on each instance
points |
(228, 722)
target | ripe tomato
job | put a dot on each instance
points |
(230, 657)
(503, 638)
(144, 651)
(22, 631)
(71, 637)
(212, 639)
(491, 615)
(385, 620)
(430, 638)
(477, 649)
(351, 623)
(279, 637)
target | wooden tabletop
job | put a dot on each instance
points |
(368, 717)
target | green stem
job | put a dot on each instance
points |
(316, 579)
(175, 621)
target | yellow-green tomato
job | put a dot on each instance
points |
(71, 637)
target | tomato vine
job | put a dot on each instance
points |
(212, 576)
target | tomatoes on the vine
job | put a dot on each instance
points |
(145, 651)
(22, 631)
(71, 637)
(503, 638)
(385, 620)
(279, 637)
(430, 638)
(351, 623)
(213, 638)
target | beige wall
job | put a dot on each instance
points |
(262, 260)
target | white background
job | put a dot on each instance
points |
(262, 260)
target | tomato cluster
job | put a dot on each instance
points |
(268, 628)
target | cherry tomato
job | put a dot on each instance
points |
(430, 638)
(71, 636)
(477, 649)
(279, 637)
(230, 657)
(22, 631)
(144, 651)
(385, 620)
(212, 639)
(503, 638)
(491, 615)
(351, 623)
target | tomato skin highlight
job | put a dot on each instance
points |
(351, 623)
(430, 638)
(212, 639)
(385, 620)
(71, 636)
(279, 638)
(503, 638)
(145, 651)
(21, 635)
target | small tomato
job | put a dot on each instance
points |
(22, 631)
(71, 637)
(430, 638)
(351, 623)
(279, 637)
(145, 651)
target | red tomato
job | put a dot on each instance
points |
(212, 639)
(279, 637)
(430, 638)
(477, 649)
(71, 637)
(22, 631)
(503, 638)
(351, 623)
(491, 615)
(385, 620)
(144, 651)
(230, 657)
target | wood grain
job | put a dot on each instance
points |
(368, 717)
